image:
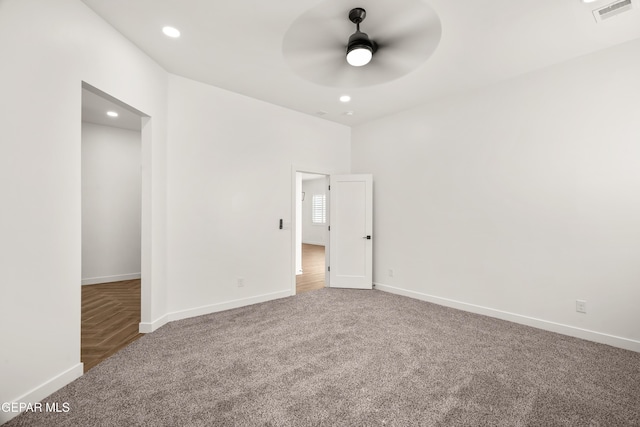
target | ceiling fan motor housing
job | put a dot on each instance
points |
(359, 39)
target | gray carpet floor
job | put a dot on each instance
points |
(354, 358)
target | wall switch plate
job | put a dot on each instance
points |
(581, 306)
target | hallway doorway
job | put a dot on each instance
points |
(311, 231)
(112, 222)
(313, 269)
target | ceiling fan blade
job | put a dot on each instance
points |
(319, 64)
(410, 32)
(393, 62)
(317, 34)
(325, 47)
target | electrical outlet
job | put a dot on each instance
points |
(391, 272)
(581, 306)
(240, 282)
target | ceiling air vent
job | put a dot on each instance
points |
(612, 9)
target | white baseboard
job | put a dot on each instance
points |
(108, 279)
(228, 305)
(148, 327)
(546, 325)
(45, 389)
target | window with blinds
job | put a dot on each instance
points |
(318, 209)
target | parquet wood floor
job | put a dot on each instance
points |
(110, 318)
(313, 269)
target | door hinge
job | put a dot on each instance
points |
(329, 188)
(329, 268)
(329, 228)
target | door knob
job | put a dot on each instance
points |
(367, 237)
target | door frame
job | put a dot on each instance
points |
(294, 222)
(146, 146)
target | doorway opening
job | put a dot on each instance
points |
(112, 221)
(311, 231)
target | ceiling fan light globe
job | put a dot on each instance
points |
(359, 56)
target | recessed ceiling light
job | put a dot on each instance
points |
(589, 1)
(345, 98)
(171, 32)
(112, 114)
(349, 113)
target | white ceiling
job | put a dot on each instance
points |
(95, 106)
(238, 45)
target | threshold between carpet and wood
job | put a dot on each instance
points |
(348, 357)
(111, 311)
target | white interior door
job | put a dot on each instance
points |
(351, 218)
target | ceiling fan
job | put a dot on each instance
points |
(318, 47)
(360, 48)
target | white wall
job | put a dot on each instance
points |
(519, 199)
(231, 161)
(48, 48)
(312, 234)
(111, 204)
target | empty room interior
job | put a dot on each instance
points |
(420, 212)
